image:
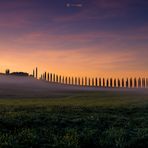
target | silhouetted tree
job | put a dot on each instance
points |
(63, 80)
(7, 71)
(60, 79)
(33, 73)
(75, 80)
(89, 82)
(135, 82)
(143, 82)
(122, 82)
(57, 78)
(118, 82)
(66, 80)
(72, 81)
(127, 83)
(79, 81)
(107, 83)
(92, 81)
(51, 77)
(139, 83)
(115, 84)
(48, 77)
(96, 82)
(85, 81)
(111, 82)
(82, 81)
(36, 72)
(131, 82)
(45, 76)
(100, 82)
(103, 82)
(69, 80)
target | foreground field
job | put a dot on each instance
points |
(80, 120)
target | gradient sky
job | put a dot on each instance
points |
(75, 37)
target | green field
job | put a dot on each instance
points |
(79, 120)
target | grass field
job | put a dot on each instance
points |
(80, 120)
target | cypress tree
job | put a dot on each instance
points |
(48, 76)
(115, 85)
(139, 83)
(100, 82)
(33, 73)
(118, 82)
(60, 79)
(85, 81)
(51, 77)
(72, 81)
(131, 82)
(143, 82)
(69, 81)
(45, 76)
(82, 81)
(66, 80)
(57, 79)
(96, 82)
(135, 82)
(63, 80)
(111, 82)
(127, 83)
(122, 82)
(92, 81)
(107, 83)
(103, 82)
(75, 80)
(79, 81)
(89, 82)
(36, 72)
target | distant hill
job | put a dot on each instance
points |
(12, 86)
(29, 87)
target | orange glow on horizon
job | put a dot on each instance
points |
(70, 63)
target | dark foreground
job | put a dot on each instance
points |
(97, 119)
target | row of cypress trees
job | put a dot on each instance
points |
(95, 82)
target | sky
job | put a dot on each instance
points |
(94, 38)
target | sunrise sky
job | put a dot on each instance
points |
(75, 37)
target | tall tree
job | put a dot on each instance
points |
(122, 82)
(96, 84)
(82, 81)
(100, 82)
(85, 81)
(119, 83)
(92, 81)
(135, 82)
(139, 83)
(51, 77)
(111, 82)
(89, 82)
(103, 82)
(115, 84)
(131, 82)
(127, 83)
(48, 77)
(36, 72)
(107, 83)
